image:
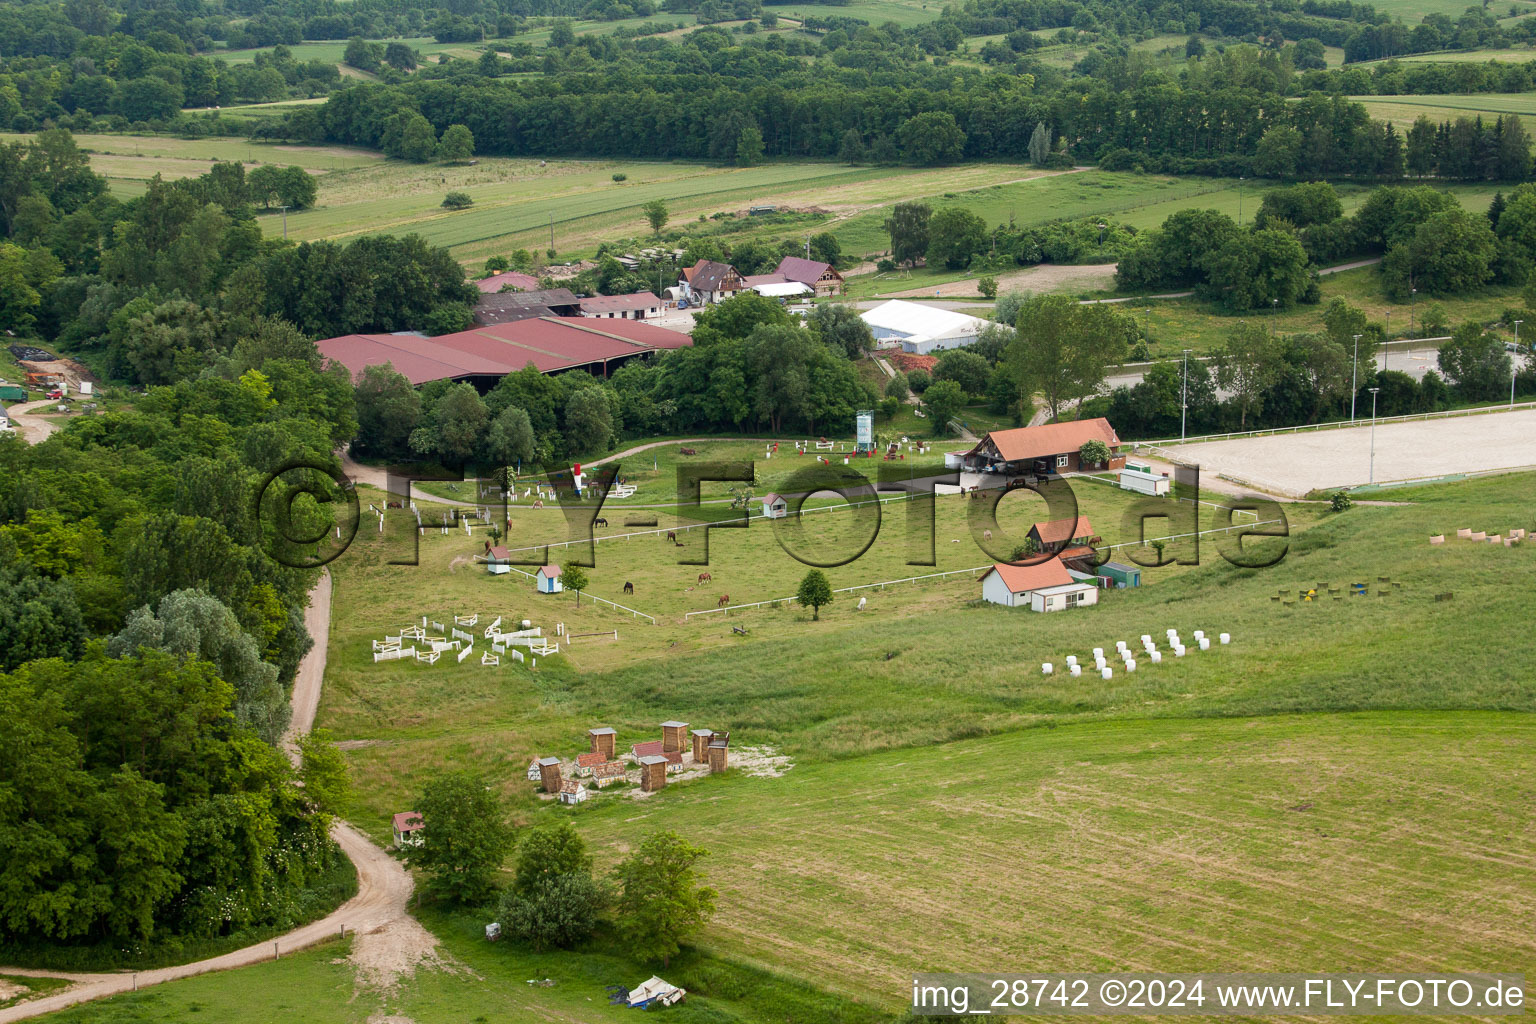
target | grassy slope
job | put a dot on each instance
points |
(1402, 111)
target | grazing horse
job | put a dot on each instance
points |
(599, 521)
(538, 503)
(672, 536)
(862, 600)
(629, 588)
(725, 599)
(987, 534)
(705, 577)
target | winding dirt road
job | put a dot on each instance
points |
(387, 936)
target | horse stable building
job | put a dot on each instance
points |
(484, 355)
(1042, 451)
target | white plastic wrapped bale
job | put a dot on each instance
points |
(1205, 643)
(1146, 638)
(1199, 634)
(1130, 665)
(1071, 659)
(1046, 668)
(1098, 652)
(1157, 657)
(1107, 672)
(1076, 669)
(1226, 638)
(1178, 650)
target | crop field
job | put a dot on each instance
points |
(1402, 111)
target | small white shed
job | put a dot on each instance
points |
(774, 506)
(548, 578)
(1143, 481)
(572, 792)
(1068, 595)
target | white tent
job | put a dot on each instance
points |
(783, 290)
(922, 329)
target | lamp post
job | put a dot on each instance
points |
(1513, 364)
(1413, 296)
(1354, 379)
(1184, 398)
(1373, 435)
(285, 222)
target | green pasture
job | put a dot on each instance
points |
(1519, 53)
(1177, 324)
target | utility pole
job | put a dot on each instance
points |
(1239, 201)
(551, 232)
(285, 222)
(1373, 435)
(1354, 379)
(1513, 364)
(1184, 398)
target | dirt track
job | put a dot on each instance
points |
(389, 942)
(34, 429)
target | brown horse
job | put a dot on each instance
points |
(672, 536)
(725, 599)
(705, 577)
(599, 521)
(629, 588)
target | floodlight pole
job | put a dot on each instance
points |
(1184, 398)
(1373, 435)
(1354, 379)
(1513, 364)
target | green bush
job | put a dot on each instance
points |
(457, 201)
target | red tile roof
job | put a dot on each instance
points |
(496, 282)
(408, 821)
(1050, 439)
(1058, 531)
(549, 343)
(794, 268)
(1021, 578)
(647, 749)
(588, 760)
(550, 571)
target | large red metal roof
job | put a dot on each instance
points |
(549, 343)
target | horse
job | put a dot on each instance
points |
(705, 577)
(672, 536)
(687, 451)
(629, 588)
(599, 521)
(538, 503)
(862, 600)
(987, 534)
(725, 599)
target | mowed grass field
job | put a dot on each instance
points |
(1322, 790)
(130, 161)
(1346, 784)
(1402, 111)
(517, 201)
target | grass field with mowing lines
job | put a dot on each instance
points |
(1514, 54)
(1402, 111)
(331, 51)
(515, 200)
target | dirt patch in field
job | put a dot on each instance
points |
(1046, 277)
(10, 990)
(385, 957)
(758, 762)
